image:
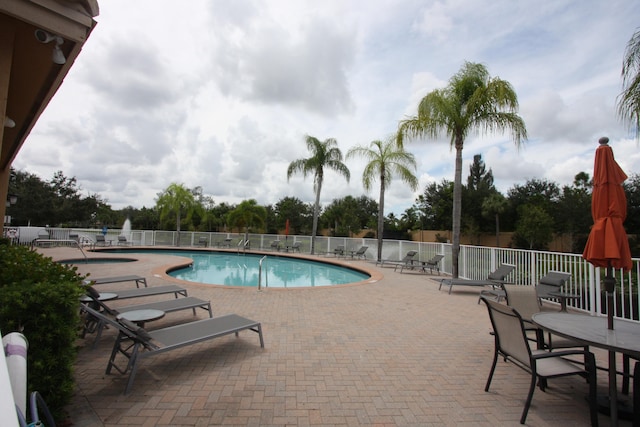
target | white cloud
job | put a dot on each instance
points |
(220, 94)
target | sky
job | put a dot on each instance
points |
(221, 94)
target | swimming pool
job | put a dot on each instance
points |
(233, 269)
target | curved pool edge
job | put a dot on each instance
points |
(161, 272)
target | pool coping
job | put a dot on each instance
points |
(184, 262)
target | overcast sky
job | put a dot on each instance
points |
(220, 94)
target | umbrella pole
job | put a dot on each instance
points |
(610, 288)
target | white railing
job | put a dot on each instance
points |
(475, 262)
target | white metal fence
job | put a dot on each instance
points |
(475, 262)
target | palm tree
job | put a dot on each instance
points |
(176, 199)
(472, 101)
(494, 206)
(629, 99)
(324, 154)
(385, 160)
(247, 214)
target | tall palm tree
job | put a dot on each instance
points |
(629, 99)
(494, 206)
(472, 101)
(247, 214)
(385, 160)
(325, 154)
(176, 199)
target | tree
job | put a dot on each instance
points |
(535, 226)
(436, 204)
(629, 99)
(473, 101)
(478, 189)
(324, 154)
(492, 207)
(573, 215)
(294, 210)
(247, 214)
(385, 160)
(176, 200)
(349, 215)
(539, 192)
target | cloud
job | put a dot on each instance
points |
(220, 94)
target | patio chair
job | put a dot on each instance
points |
(122, 241)
(551, 282)
(339, 251)
(524, 299)
(296, 246)
(135, 343)
(360, 253)
(494, 280)
(203, 241)
(226, 243)
(512, 345)
(390, 262)
(102, 241)
(275, 245)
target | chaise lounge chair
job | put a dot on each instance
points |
(275, 245)
(122, 241)
(494, 280)
(168, 306)
(102, 241)
(203, 241)
(390, 262)
(142, 292)
(135, 343)
(118, 279)
(339, 251)
(432, 264)
(360, 253)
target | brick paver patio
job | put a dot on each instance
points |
(397, 352)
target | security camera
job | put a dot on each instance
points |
(43, 37)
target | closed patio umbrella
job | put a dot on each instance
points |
(608, 246)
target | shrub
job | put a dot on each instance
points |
(39, 298)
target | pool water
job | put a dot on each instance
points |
(232, 269)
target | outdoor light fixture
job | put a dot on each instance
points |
(57, 56)
(8, 122)
(12, 199)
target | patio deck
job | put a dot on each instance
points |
(397, 352)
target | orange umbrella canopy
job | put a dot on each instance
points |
(608, 245)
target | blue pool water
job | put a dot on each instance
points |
(223, 268)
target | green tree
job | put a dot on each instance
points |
(247, 214)
(436, 204)
(539, 192)
(325, 154)
(492, 207)
(629, 99)
(176, 200)
(294, 210)
(535, 226)
(573, 215)
(386, 159)
(479, 187)
(473, 101)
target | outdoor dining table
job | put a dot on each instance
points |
(593, 331)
